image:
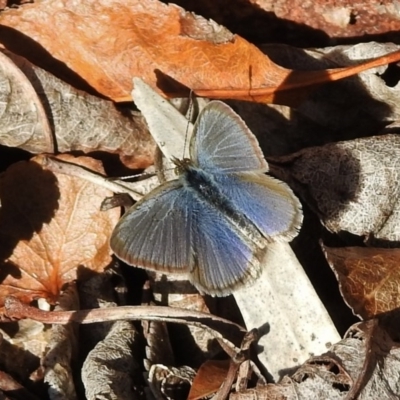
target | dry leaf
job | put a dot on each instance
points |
(50, 227)
(31, 336)
(353, 186)
(158, 344)
(161, 43)
(112, 365)
(62, 351)
(99, 291)
(344, 18)
(17, 359)
(170, 382)
(354, 107)
(71, 121)
(209, 378)
(111, 369)
(334, 375)
(303, 24)
(368, 278)
(24, 122)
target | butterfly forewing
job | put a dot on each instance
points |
(222, 141)
(156, 232)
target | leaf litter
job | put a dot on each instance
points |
(350, 185)
(130, 35)
(45, 114)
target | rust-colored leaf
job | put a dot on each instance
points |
(368, 278)
(344, 18)
(108, 42)
(301, 23)
(50, 227)
(209, 378)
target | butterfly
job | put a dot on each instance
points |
(213, 222)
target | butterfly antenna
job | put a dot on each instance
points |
(143, 174)
(124, 178)
(189, 118)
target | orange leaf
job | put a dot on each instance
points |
(368, 278)
(209, 378)
(50, 227)
(109, 42)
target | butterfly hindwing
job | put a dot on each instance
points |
(222, 141)
(224, 260)
(267, 202)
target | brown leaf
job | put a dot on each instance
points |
(368, 278)
(72, 119)
(353, 186)
(176, 291)
(49, 227)
(302, 24)
(209, 378)
(23, 346)
(345, 18)
(161, 43)
(100, 291)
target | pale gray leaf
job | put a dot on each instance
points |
(353, 186)
(41, 113)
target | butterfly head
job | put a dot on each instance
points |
(182, 165)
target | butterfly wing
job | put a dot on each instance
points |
(156, 232)
(222, 141)
(223, 259)
(269, 203)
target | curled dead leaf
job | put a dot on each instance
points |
(23, 118)
(111, 368)
(71, 121)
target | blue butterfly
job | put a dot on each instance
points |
(215, 221)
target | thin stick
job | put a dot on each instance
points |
(15, 309)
